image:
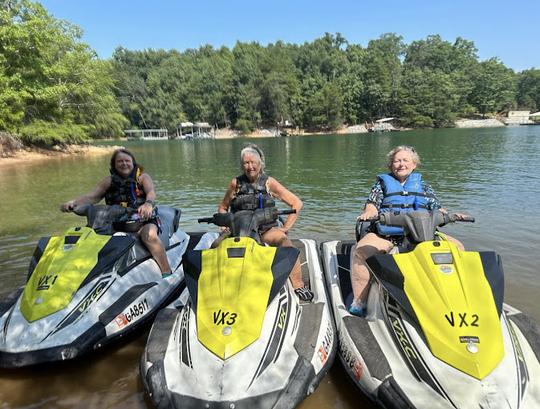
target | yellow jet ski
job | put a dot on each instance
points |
(87, 288)
(437, 333)
(238, 336)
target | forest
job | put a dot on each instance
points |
(54, 89)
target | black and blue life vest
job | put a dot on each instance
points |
(127, 192)
(404, 198)
(251, 196)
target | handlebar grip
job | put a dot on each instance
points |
(289, 211)
(454, 218)
(469, 219)
(205, 220)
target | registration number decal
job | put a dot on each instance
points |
(132, 314)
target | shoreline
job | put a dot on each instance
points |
(31, 155)
(23, 155)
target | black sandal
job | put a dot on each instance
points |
(304, 293)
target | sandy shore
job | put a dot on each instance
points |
(33, 155)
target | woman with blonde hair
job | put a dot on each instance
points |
(402, 189)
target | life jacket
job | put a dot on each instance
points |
(251, 196)
(127, 192)
(404, 198)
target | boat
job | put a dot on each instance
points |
(88, 288)
(238, 336)
(437, 332)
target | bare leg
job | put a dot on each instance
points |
(456, 242)
(149, 236)
(368, 246)
(276, 237)
(222, 236)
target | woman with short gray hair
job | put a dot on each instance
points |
(254, 189)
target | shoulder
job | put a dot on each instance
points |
(272, 183)
(383, 178)
(144, 178)
(377, 185)
(104, 185)
(106, 181)
(427, 187)
(233, 184)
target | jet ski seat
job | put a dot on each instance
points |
(170, 219)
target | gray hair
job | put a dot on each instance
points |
(410, 149)
(252, 149)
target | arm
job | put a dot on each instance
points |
(280, 192)
(373, 204)
(370, 212)
(145, 210)
(432, 202)
(229, 196)
(89, 198)
(435, 204)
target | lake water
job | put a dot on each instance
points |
(488, 173)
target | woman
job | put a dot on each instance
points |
(253, 189)
(404, 189)
(129, 186)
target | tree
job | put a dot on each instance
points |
(55, 90)
(382, 76)
(528, 89)
(428, 98)
(494, 87)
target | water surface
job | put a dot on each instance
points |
(488, 173)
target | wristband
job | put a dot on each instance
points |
(150, 202)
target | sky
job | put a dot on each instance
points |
(507, 30)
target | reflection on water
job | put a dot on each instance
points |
(486, 172)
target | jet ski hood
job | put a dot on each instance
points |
(67, 262)
(231, 287)
(452, 295)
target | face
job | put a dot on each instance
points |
(402, 165)
(251, 165)
(123, 164)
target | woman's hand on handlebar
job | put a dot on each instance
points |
(370, 212)
(460, 217)
(145, 210)
(68, 206)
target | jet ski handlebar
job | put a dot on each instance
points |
(102, 217)
(246, 222)
(439, 219)
(420, 225)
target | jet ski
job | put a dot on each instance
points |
(238, 336)
(88, 287)
(437, 333)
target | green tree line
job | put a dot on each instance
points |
(54, 88)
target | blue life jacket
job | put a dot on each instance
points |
(402, 198)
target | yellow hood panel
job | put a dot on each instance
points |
(60, 271)
(454, 306)
(233, 291)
